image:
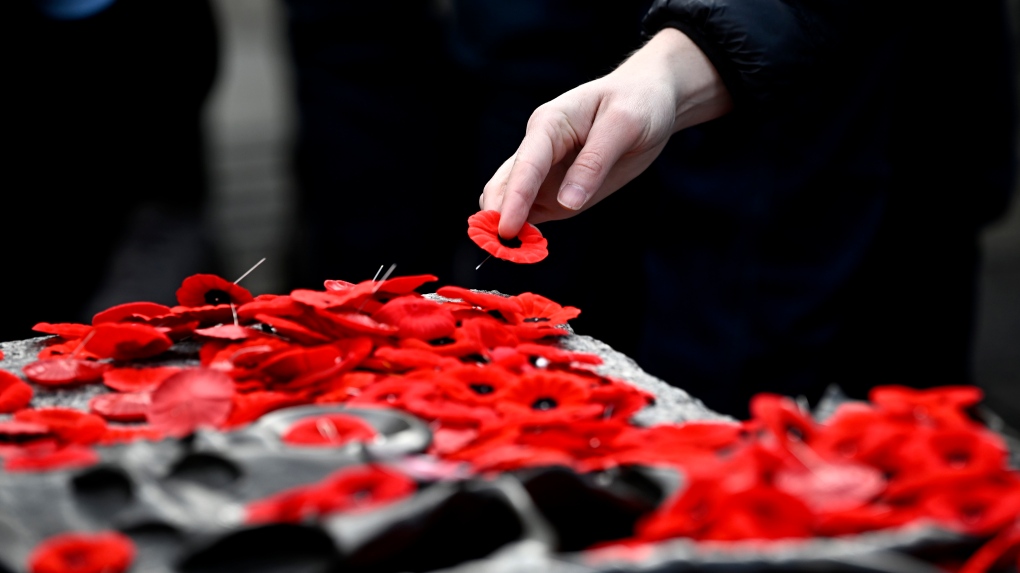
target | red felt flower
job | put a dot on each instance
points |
(64, 371)
(15, 432)
(550, 394)
(538, 309)
(127, 341)
(505, 305)
(211, 290)
(329, 430)
(121, 407)
(131, 312)
(191, 399)
(137, 379)
(528, 247)
(103, 552)
(417, 317)
(359, 488)
(126, 434)
(67, 424)
(65, 330)
(251, 406)
(15, 394)
(46, 459)
(945, 405)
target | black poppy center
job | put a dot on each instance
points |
(536, 319)
(543, 404)
(441, 341)
(481, 388)
(513, 243)
(217, 296)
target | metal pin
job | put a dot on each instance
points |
(483, 262)
(250, 270)
(327, 429)
(389, 272)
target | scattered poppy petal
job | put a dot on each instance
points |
(528, 247)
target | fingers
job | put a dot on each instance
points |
(608, 140)
(528, 169)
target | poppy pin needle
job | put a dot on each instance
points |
(248, 272)
(483, 262)
(389, 272)
(327, 429)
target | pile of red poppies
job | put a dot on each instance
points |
(486, 372)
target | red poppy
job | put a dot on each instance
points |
(190, 399)
(827, 487)
(477, 384)
(16, 432)
(125, 341)
(417, 317)
(293, 330)
(251, 406)
(542, 393)
(64, 371)
(131, 312)
(936, 406)
(103, 552)
(329, 430)
(126, 434)
(505, 305)
(15, 394)
(45, 459)
(137, 379)
(228, 332)
(210, 290)
(67, 424)
(121, 406)
(528, 247)
(358, 488)
(538, 309)
(781, 416)
(65, 330)
(758, 512)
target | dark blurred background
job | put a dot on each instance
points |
(250, 210)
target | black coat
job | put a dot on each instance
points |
(825, 231)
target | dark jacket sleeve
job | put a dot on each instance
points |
(761, 48)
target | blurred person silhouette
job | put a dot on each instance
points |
(106, 164)
(827, 169)
(399, 123)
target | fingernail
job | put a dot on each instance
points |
(572, 197)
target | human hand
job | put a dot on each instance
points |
(587, 143)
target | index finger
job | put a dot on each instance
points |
(532, 163)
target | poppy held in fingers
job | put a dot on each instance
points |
(528, 247)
